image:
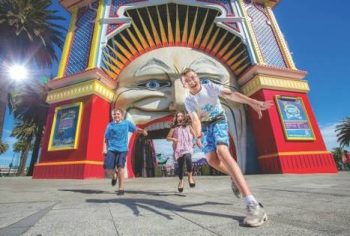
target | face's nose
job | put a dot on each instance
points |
(179, 95)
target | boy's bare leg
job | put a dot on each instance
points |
(121, 178)
(214, 161)
(115, 173)
(109, 173)
(233, 169)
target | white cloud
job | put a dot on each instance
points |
(329, 135)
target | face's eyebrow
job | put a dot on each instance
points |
(152, 66)
(207, 66)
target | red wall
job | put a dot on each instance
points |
(270, 126)
(95, 117)
(270, 139)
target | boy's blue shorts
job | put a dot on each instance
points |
(214, 134)
(114, 159)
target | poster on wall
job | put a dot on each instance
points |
(65, 128)
(294, 118)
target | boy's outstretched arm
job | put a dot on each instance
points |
(196, 124)
(105, 148)
(141, 131)
(258, 106)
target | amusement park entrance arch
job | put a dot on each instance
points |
(129, 54)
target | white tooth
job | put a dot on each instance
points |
(158, 126)
(155, 126)
(150, 127)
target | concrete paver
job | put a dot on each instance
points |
(296, 205)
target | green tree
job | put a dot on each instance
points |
(24, 132)
(27, 103)
(337, 155)
(30, 32)
(3, 147)
(343, 132)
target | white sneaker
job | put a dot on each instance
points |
(256, 215)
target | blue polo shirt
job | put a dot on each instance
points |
(117, 135)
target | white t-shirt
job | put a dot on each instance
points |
(206, 102)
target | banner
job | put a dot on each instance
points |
(294, 118)
(66, 126)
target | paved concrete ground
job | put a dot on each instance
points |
(296, 205)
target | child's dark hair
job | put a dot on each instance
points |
(186, 120)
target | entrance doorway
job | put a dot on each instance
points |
(153, 157)
(151, 154)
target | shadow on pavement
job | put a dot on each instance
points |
(156, 205)
(85, 191)
(93, 191)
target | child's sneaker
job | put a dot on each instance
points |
(256, 215)
(235, 190)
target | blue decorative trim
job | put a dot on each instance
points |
(80, 49)
(265, 35)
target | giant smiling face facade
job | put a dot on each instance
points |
(151, 48)
(150, 89)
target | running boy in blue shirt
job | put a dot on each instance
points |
(115, 147)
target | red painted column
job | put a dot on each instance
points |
(87, 160)
(279, 155)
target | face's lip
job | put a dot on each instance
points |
(194, 85)
(163, 119)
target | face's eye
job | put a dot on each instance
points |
(204, 81)
(154, 84)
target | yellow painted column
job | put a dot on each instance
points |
(67, 44)
(280, 39)
(96, 36)
(251, 33)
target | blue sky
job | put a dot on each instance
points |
(318, 37)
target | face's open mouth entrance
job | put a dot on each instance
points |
(148, 158)
(152, 156)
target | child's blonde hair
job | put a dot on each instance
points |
(118, 109)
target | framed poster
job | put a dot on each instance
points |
(294, 118)
(66, 127)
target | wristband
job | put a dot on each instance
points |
(200, 136)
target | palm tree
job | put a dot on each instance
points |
(28, 30)
(27, 103)
(3, 147)
(337, 155)
(24, 132)
(30, 33)
(3, 101)
(343, 132)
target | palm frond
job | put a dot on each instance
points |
(30, 30)
(343, 132)
(3, 147)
